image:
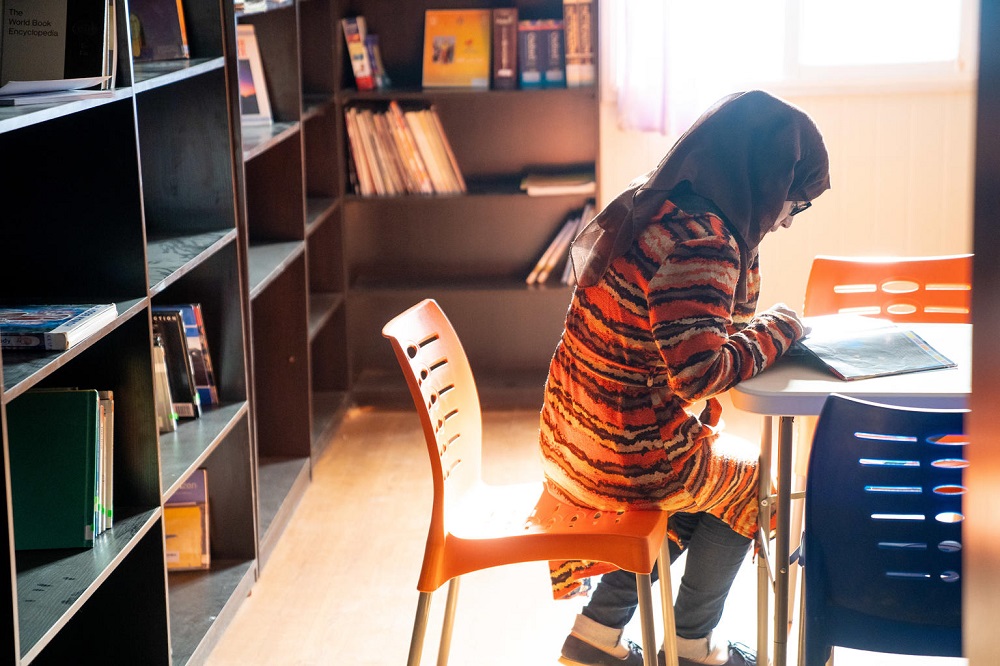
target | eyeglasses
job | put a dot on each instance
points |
(799, 206)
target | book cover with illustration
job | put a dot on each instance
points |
(457, 48)
(51, 327)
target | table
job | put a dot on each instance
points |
(795, 386)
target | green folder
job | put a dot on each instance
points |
(53, 437)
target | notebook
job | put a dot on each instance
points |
(854, 347)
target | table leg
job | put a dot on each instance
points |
(782, 538)
(764, 520)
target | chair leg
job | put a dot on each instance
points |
(419, 629)
(667, 603)
(643, 582)
(449, 622)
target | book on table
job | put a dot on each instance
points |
(53, 441)
(854, 347)
(51, 327)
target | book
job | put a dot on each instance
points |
(198, 352)
(53, 39)
(355, 30)
(106, 400)
(374, 50)
(554, 71)
(186, 526)
(505, 48)
(853, 347)
(578, 25)
(53, 438)
(51, 327)
(255, 104)
(586, 215)
(169, 327)
(457, 48)
(554, 184)
(158, 30)
(530, 54)
(555, 251)
(166, 417)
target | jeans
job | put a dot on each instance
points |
(715, 553)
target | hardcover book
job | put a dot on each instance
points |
(554, 72)
(51, 327)
(169, 328)
(578, 25)
(853, 347)
(197, 343)
(355, 30)
(505, 48)
(53, 39)
(457, 48)
(53, 438)
(158, 31)
(255, 105)
(530, 54)
(185, 525)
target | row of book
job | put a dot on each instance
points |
(488, 48)
(396, 151)
(556, 253)
(61, 453)
(184, 378)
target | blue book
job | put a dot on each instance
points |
(531, 54)
(51, 327)
(197, 347)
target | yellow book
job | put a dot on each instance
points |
(457, 48)
(185, 525)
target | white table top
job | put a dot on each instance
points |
(795, 386)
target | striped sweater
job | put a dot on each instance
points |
(629, 418)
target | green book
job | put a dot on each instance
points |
(53, 437)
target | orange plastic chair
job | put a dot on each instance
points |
(935, 289)
(475, 525)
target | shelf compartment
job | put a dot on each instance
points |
(172, 257)
(281, 483)
(14, 118)
(150, 75)
(268, 260)
(182, 451)
(202, 602)
(52, 586)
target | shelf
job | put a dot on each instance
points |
(267, 261)
(171, 258)
(18, 117)
(54, 585)
(201, 602)
(258, 138)
(321, 308)
(328, 410)
(281, 483)
(149, 75)
(184, 450)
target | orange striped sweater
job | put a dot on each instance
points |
(659, 333)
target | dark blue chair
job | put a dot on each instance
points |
(883, 531)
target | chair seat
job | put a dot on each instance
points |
(508, 524)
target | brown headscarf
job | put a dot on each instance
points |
(748, 154)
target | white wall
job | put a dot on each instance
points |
(901, 173)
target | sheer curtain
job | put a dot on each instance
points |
(673, 58)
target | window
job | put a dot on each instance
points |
(670, 59)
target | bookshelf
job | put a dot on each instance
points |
(470, 251)
(293, 240)
(135, 200)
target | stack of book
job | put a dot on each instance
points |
(556, 253)
(401, 152)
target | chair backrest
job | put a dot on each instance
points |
(904, 289)
(444, 393)
(883, 529)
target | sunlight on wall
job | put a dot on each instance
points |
(901, 174)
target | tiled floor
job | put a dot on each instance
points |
(339, 589)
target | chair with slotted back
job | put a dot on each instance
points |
(475, 525)
(883, 531)
(935, 289)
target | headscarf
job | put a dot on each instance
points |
(747, 155)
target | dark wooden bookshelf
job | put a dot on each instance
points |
(137, 200)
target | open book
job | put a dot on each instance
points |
(856, 347)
